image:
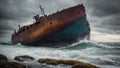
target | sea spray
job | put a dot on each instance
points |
(100, 54)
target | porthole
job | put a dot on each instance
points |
(50, 23)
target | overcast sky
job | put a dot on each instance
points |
(103, 16)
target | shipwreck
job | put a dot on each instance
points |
(62, 27)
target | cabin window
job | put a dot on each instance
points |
(27, 27)
(50, 23)
(31, 26)
(23, 30)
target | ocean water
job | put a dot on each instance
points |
(104, 55)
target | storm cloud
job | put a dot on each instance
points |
(106, 14)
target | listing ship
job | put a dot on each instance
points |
(63, 27)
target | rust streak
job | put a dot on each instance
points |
(45, 29)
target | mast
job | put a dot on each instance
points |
(19, 26)
(42, 10)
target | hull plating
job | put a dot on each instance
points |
(79, 29)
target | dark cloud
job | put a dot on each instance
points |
(107, 13)
(103, 8)
(14, 12)
(12, 9)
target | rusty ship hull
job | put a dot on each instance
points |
(66, 26)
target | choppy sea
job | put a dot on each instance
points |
(104, 55)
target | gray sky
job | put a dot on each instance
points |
(103, 15)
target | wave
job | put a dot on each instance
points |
(79, 45)
(86, 50)
(86, 44)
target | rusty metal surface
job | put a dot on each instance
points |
(47, 25)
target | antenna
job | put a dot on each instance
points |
(19, 26)
(42, 10)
